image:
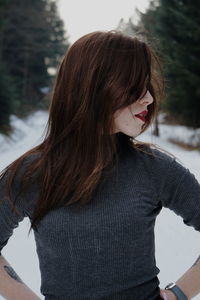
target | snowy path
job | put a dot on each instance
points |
(177, 245)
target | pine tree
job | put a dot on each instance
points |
(33, 40)
(174, 26)
(8, 93)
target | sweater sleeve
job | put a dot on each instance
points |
(181, 193)
(9, 218)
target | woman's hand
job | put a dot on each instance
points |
(167, 295)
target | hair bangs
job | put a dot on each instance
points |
(140, 74)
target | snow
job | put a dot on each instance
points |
(177, 245)
(181, 133)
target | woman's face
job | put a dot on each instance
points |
(125, 119)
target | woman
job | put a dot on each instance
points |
(91, 190)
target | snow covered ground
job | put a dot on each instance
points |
(177, 245)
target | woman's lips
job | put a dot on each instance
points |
(142, 115)
(141, 118)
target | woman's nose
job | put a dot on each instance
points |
(147, 99)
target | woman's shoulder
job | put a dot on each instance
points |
(154, 152)
(161, 161)
(17, 168)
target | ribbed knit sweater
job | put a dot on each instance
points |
(106, 250)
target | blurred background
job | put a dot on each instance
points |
(34, 36)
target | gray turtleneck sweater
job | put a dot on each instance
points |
(107, 249)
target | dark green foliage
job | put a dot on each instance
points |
(31, 41)
(7, 96)
(174, 27)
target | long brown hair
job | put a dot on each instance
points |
(103, 71)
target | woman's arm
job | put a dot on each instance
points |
(11, 286)
(189, 282)
(180, 192)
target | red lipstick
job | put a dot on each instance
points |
(142, 115)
